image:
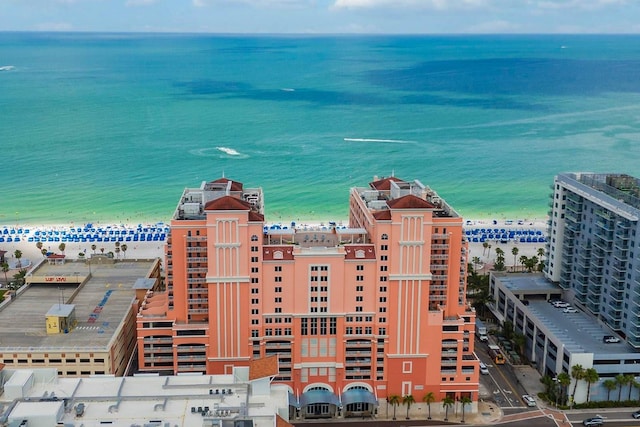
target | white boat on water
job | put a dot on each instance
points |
(229, 151)
(7, 68)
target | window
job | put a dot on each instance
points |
(254, 249)
(384, 237)
(314, 299)
(359, 278)
(254, 311)
(383, 299)
(278, 289)
(254, 238)
(314, 268)
(359, 267)
(383, 268)
(359, 309)
(382, 309)
(254, 269)
(359, 298)
(383, 289)
(359, 288)
(278, 279)
(278, 268)
(254, 259)
(278, 309)
(383, 320)
(368, 330)
(324, 268)
(384, 257)
(255, 321)
(384, 247)
(254, 290)
(254, 280)
(383, 278)
(349, 330)
(277, 300)
(255, 301)
(303, 326)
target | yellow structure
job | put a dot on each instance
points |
(61, 318)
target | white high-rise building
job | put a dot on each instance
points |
(593, 247)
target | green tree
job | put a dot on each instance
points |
(124, 250)
(18, 254)
(541, 253)
(519, 340)
(475, 262)
(523, 260)
(610, 385)
(577, 373)
(630, 381)
(408, 400)
(117, 251)
(590, 376)
(620, 382)
(447, 403)
(514, 251)
(429, 398)
(507, 329)
(394, 399)
(5, 270)
(531, 263)
(465, 400)
(39, 246)
(485, 245)
(93, 248)
(62, 246)
(564, 380)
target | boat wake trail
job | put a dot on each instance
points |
(388, 141)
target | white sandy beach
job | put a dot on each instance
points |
(154, 249)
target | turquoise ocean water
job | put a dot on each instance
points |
(112, 127)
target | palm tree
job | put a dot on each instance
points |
(577, 373)
(394, 399)
(464, 400)
(541, 252)
(475, 262)
(93, 248)
(44, 252)
(62, 247)
(590, 376)
(620, 382)
(632, 384)
(124, 250)
(519, 340)
(514, 251)
(523, 260)
(18, 254)
(447, 402)
(563, 380)
(102, 250)
(489, 253)
(117, 251)
(485, 245)
(39, 246)
(408, 400)
(610, 385)
(429, 398)
(5, 270)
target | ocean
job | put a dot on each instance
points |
(112, 127)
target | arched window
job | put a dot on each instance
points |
(254, 238)
(384, 237)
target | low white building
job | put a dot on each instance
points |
(40, 398)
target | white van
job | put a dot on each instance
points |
(483, 369)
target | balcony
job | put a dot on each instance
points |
(439, 246)
(440, 256)
(197, 259)
(438, 267)
(197, 270)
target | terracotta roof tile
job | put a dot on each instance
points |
(384, 184)
(227, 203)
(382, 215)
(271, 253)
(410, 202)
(264, 367)
(359, 252)
(256, 217)
(235, 186)
(281, 422)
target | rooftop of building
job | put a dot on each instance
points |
(620, 187)
(101, 303)
(124, 401)
(384, 194)
(579, 332)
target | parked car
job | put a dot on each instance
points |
(561, 304)
(569, 310)
(608, 339)
(593, 422)
(636, 414)
(483, 369)
(530, 401)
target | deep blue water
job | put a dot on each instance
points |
(114, 126)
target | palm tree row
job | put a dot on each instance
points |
(428, 398)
